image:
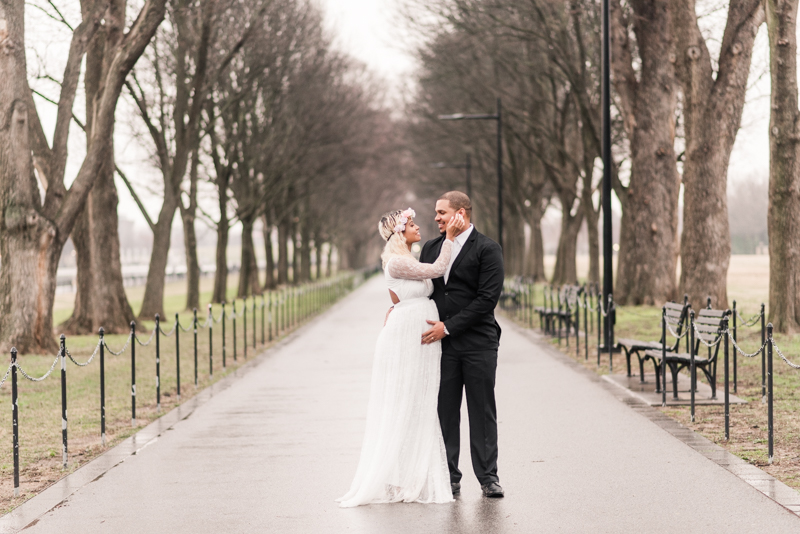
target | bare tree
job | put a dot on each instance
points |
(713, 100)
(33, 230)
(784, 181)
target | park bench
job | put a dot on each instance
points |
(709, 327)
(677, 315)
(560, 308)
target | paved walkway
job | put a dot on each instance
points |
(271, 453)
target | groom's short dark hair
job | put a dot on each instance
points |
(458, 200)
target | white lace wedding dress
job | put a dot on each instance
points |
(403, 456)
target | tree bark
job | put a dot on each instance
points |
(566, 271)
(269, 282)
(221, 258)
(248, 273)
(82, 314)
(534, 260)
(153, 301)
(712, 111)
(283, 251)
(188, 214)
(648, 233)
(784, 172)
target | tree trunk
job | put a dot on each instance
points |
(296, 245)
(712, 111)
(318, 256)
(110, 306)
(248, 274)
(566, 271)
(153, 302)
(784, 173)
(534, 260)
(269, 282)
(188, 214)
(283, 251)
(515, 246)
(221, 259)
(305, 251)
(594, 246)
(81, 319)
(329, 264)
(648, 233)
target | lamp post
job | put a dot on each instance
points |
(499, 118)
(608, 273)
(466, 165)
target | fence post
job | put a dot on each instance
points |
(133, 373)
(263, 322)
(585, 327)
(254, 323)
(178, 354)
(102, 386)
(733, 316)
(64, 447)
(663, 376)
(691, 361)
(158, 362)
(210, 341)
(194, 324)
(244, 327)
(610, 336)
(599, 328)
(224, 340)
(763, 357)
(770, 396)
(727, 385)
(15, 419)
(577, 326)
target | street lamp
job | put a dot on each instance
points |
(466, 165)
(608, 273)
(499, 118)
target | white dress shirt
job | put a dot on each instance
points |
(458, 242)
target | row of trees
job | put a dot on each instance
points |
(247, 113)
(679, 87)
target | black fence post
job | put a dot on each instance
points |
(692, 376)
(234, 333)
(178, 355)
(158, 362)
(270, 298)
(15, 418)
(254, 323)
(585, 326)
(599, 329)
(763, 357)
(663, 365)
(263, 322)
(727, 385)
(244, 328)
(577, 326)
(194, 324)
(210, 341)
(733, 316)
(224, 340)
(102, 386)
(64, 448)
(133, 373)
(770, 396)
(610, 336)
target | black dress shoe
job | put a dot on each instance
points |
(455, 487)
(492, 490)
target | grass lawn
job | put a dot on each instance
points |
(40, 402)
(748, 284)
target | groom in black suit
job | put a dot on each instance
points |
(466, 297)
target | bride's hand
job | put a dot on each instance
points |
(455, 226)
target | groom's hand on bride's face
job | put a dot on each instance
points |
(435, 333)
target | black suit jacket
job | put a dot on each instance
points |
(467, 302)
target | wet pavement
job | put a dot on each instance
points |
(271, 452)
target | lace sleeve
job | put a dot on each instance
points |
(410, 269)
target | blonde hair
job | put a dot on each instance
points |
(396, 244)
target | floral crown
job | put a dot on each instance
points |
(400, 227)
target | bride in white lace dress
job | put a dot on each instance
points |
(403, 455)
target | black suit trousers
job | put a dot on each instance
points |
(473, 372)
